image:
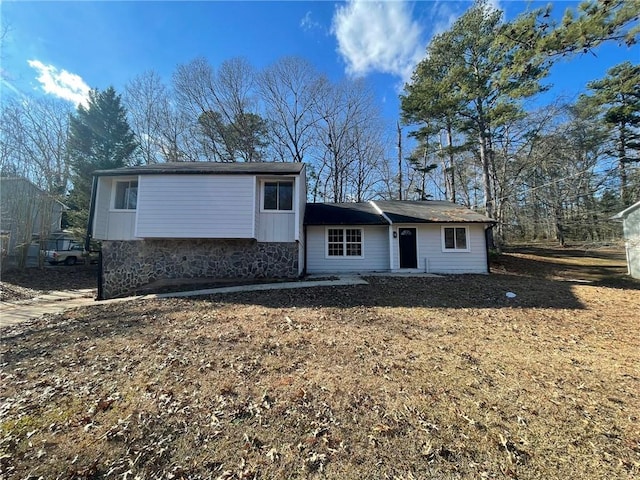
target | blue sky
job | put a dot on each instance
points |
(63, 48)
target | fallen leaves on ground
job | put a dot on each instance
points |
(32, 282)
(398, 379)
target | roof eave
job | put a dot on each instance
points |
(620, 216)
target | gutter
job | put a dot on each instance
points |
(92, 205)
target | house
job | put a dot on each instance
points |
(630, 219)
(181, 221)
(178, 222)
(28, 214)
(397, 236)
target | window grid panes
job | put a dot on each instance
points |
(461, 238)
(354, 242)
(344, 242)
(126, 195)
(455, 238)
(278, 196)
(336, 242)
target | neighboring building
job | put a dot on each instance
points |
(27, 214)
(174, 222)
(630, 219)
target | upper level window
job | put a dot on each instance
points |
(344, 242)
(126, 195)
(455, 238)
(278, 196)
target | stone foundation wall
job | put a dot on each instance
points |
(129, 265)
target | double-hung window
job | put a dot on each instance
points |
(344, 242)
(126, 195)
(455, 239)
(278, 196)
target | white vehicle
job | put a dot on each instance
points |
(72, 254)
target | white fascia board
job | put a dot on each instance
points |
(623, 214)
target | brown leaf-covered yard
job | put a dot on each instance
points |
(403, 378)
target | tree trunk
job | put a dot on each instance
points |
(399, 161)
(451, 166)
(486, 183)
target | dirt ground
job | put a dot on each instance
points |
(399, 379)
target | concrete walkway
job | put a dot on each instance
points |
(12, 313)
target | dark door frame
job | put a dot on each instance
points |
(409, 259)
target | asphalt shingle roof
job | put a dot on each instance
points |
(398, 211)
(227, 168)
(429, 211)
(342, 214)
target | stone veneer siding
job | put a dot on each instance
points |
(130, 265)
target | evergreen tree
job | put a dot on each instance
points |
(467, 75)
(593, 22)
(99, 138)
(618, 96)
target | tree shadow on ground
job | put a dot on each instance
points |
(60, 277)
(450, 291)
(606, 269)
(148, 321)
(614, 254)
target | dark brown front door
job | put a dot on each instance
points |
(408, 253)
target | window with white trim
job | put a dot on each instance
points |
(344, 242)
(126, 195)
(278, 196)
(455, 238)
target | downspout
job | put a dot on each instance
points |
(92, 204)
(384, 215)
(87, 239)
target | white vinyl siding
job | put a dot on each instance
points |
(274, 225)
(375, 251)
(431, 257)
(122, 225)
(101, 215)
(195, 206)
(108, 223)
(631, 229)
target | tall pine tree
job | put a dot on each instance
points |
(99, 138)
(468, 79)
(618, 96)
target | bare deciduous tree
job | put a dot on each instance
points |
(288, 88)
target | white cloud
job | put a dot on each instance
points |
(60, 83)
(308, 23)
(380, 36)
(445, 14)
